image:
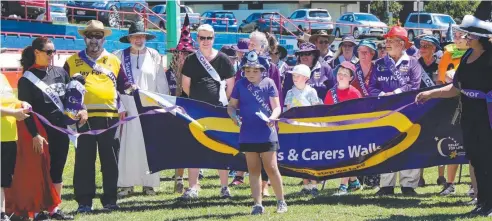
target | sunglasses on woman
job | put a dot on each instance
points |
(49, 52)
(203, 38)
(305, 54)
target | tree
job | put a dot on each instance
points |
(378, 8)
(455, 9)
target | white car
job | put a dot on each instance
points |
(311, 19)
(360, 25)
(58, 13)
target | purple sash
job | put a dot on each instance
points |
(360, 77)
(475, 94)
(334, 94)
(394, 70)
(128, 65)
(264, 106)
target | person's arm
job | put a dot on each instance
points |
(229, 86)
(233, 105)
(18, 113)
(447, 91)
(288, 101)
(24, 92)
(122, 82)
(374, 87)
(274, 102)
(415, 80)
(186, 75)
(67, 68)
(185, 83)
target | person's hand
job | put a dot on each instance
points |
(37, 144)
(423, 97)
(21, 114)
(25, 105)
(82, 116)
(388, 94)
(236, 121)
(134, 87)
(122, 115)
(271, 123)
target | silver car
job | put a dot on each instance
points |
(360, 25)
(415, 23)
(311, 19)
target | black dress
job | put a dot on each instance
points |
(477, 132)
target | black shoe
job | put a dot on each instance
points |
(84, 209)
(421, 182)
(441, 181)
(478, 210)
(386, 191)
(60, 215)
(42, 217)
(111, 207)
(408, 191)
(4, 217)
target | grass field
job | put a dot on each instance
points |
(361, 205)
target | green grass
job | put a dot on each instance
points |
(361, 205)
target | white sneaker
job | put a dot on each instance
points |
(189, 194)
(225, 192)
(281, 206)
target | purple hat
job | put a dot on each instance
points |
(242, 45)
(308, 47)
(253, 60)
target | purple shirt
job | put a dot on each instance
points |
(273, 74)
(253, 129)
(383, 80)
(321, 79)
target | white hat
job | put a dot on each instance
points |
(301, 69)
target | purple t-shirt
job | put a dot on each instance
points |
(253, 129)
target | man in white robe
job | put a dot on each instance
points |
(145, 67)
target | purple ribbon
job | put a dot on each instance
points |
(128, 65)
(334, 124)
(391, 65)
(476, 94)
(360, 77)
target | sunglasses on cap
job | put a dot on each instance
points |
(203, 38)
(306, 54)
(49, 52)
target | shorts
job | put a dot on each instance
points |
(259, 147)
(9, 155)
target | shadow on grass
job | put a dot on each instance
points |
(424, 217)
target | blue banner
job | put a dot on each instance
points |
(203, 136)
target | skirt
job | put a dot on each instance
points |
(259, 147)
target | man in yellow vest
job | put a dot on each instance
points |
(104, 78)
(11, 110)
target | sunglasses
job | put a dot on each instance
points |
(348, 45)
(203, 38)
(49, 52)
(305, 54)
(426, 46)
(324, 42)
(94, 36)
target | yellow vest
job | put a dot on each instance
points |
(8, 125)
(101, 95)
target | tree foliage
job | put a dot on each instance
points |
(456, 9)
(378, 8)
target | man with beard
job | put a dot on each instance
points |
(143, 66)
(104, 76)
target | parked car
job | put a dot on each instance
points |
(18, 8)
(261, 22)
(58, 13)
(350, 24)
(415, 23)
(220, 20)
(159, 20)
(311, 18)
(112, 18)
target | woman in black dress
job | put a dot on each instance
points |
(472, 81)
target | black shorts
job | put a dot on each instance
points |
(259, 147)
(9, 155)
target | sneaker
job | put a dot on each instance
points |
(4, 217)
(84, 209)
(200, 174)
(225, 193)
(441, 181)
(232, 173)
(408, 191)
(149, 191)
(258, 209)
(386, 191)
(42, 216)
(472, 202)
(354, 185)
(238, 180)
(314, 192)
(125, 191)
(305, 191)
(448, 189)
(281, 206)
(60, 215)
(179, 186)
(421, 182)
(111, 207)
(189, 194)
(471, 192)
(342, 190)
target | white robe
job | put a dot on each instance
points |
(133, 168)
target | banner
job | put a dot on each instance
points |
(395, 138)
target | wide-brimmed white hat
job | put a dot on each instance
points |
(475, 26)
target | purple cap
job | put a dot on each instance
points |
(242, 45)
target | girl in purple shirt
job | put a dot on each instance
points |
(258, 139)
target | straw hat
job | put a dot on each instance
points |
(94, 25)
